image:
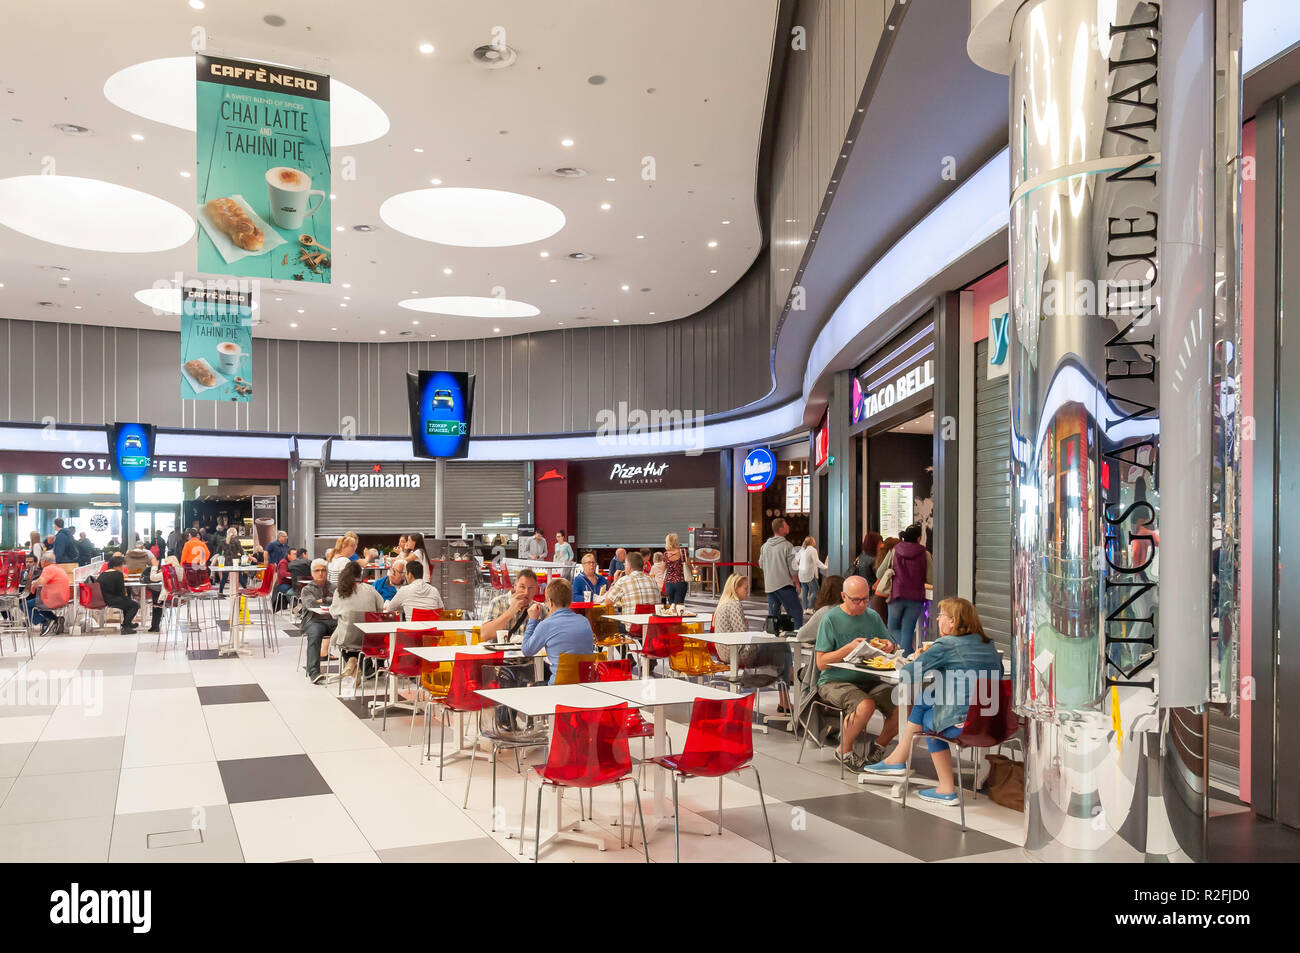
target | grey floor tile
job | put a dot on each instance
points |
(56, 797)
(915, 832)
(170, 836)
(267, 779)
(142, 683)
(109, 663)
(13, 756)
(17, 710)
(80, 840)
(75, 756)
(479, 850)
(799, 836)
(231, 694)
(790, 782)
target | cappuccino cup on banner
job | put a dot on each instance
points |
(229, 354)
(290, 193)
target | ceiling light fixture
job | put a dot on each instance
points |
(554, 280)
(446, 271)
(300, 311)
(496, 330)
(713, 244)
(196, 4)
(184, 174)
(383, 332)
(640, 236)
(472, 218)
(293, 324)
(625, 287)
(417, 150)
(605, 206)
(137, 137)
(52, 208)
(610, 178)
(426, 48)
(567, 143)
(544, 254)
(164, 91)
(726, 221)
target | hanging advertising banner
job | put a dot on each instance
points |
(216, 344)
(131, 451)
(263, 175)
(266, 512)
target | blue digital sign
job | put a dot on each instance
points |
(131, 450)
(760, 470)
(441, 408)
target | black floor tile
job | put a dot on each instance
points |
(231, 694)
(1245, 838)
(268, 779)
(915, 832)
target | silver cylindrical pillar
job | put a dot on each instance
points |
(1111, 274)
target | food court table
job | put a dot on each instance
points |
(656, 693)
(423, 625)
(539, 566)
(736, 639)
(236, 644)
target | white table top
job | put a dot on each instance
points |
(884, 674)
(645, 618)
(255, 567)
(448, 653)
(424, 625)
(537, 700)
(740, 638)
(647, 692)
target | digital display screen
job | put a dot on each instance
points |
(441, 408)
(131, 450)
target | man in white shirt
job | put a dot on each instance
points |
(416, 594)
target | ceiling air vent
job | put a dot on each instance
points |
(569, 172)
(490, 56)
(580, 256)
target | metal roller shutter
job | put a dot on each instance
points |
(992, 500)
(637, 518)
(486, 497)
(374, 509)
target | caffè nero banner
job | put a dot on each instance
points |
(263, 139)
(216, 343)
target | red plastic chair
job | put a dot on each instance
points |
(174, 597)
(405, 665)
(462, 696)
(90, 598)
(426, 615)
(261, 591)
(588, 750)
(620, 670)
(720, 741)
(983, 729)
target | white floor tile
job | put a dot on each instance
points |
(166, 726)
(220, 672)
(92, 716)
(320, 723)
(295, 828)
(249, 730)
(169, 787)
(22, 728)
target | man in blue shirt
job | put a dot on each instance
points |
(562, 631)
(277, 548)
(618, 563)
(589, 584)
(387, 586)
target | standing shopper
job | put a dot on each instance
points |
(776, 560)
(677, 563)
(810, 570)
(880, 588)
(65, 544)
(913, 568)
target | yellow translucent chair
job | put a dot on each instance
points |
(567, 668)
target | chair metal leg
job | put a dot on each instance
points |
(469, 778)
(677, 825)
(537, 830)
(636, 796)
(442, 734)
(493, 823)
(719, 805)
(763, 803)
(523, 816)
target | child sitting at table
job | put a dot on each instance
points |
(959, 658)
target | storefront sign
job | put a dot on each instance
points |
(263, 139)
(216, 343)
(760, 470)
(132, 451)
(999, 338)
(625, 474)
(374, 479)
(910, 382)
(822, 445)
(70, 464)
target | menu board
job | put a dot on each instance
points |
(895, 508)
(797, 489)
(708, 543)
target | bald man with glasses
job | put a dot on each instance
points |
(857, 694)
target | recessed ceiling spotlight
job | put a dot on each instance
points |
(363, 228)
(652, 314)
(568, 172)
(625, 287)
(417, 150)
(343, 304)
(496, 330)
(554, 280)
(544, 254)
(446, 271)
(333, 196)
(346, 285)
(345, 298)
(196, 4)
(184, 174)
(640, 236)
(65, 278)
(713, 271)
(415, 322)
(293, 324)
(726, 221)
(616, 320)
(273, 19)
(596, 79)
(435, 181)
(333, 329)
(300, 311)
(415, 292)
(72, 129)
(426, 48)
(713, 244)
(338, 228)
(605, 206)
(76, 307)
(279, 299)
(610, 178)
(567, 143)
(580, 256)
(383, 332)
(137, 137)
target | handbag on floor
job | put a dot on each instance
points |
(779, 623)
(1006, 782)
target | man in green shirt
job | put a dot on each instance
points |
(857, 694)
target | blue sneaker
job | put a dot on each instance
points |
(880, 767)
(934, 797)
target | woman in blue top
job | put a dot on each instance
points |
(961, 656)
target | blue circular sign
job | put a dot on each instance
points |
(760, 469)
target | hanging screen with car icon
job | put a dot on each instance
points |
(441, 407)
(131, 449)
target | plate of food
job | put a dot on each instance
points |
(880, 663)
(201, 375)
(236, 230)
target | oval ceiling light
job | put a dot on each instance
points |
(467, 306)
(471, 218)
(163, 90)
(165, 300)
(91, 214)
